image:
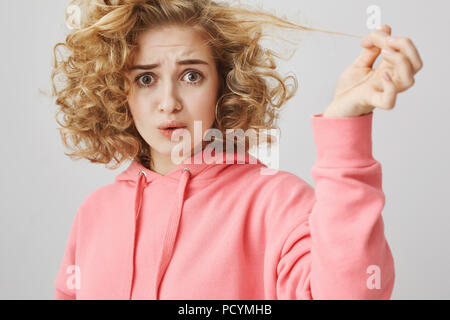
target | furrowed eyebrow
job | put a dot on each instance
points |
(181, 62)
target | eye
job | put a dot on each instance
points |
(199, 75)
(145, 80)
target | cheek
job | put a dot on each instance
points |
(136, 100)
(205, 112)
(137, 106)
(207, 109)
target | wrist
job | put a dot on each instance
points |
(337, 110)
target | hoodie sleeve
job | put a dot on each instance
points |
(68, 276)
(335, 248)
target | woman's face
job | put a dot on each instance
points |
(174, 78)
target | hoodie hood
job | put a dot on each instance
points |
(205, 164)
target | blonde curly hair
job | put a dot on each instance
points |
(93, 96)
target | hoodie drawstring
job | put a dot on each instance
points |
(172, 228)
(137, 206)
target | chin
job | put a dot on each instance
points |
(165, 148)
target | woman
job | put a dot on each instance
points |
(173, 227)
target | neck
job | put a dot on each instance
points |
(163, 163)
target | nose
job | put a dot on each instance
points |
(169, 98)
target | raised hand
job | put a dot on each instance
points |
(360, 88)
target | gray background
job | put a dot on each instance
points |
(41, 188)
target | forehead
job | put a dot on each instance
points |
(171, 42)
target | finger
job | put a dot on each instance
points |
(377, 38)
(386, 98)
(367, 57)
(386, 28)
(370, 52)
(404, 73)
(407, 47)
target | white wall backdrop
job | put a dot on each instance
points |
(41, 188)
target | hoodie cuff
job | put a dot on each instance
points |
(343, 141)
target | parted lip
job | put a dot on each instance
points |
(171, 124)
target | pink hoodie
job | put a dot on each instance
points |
(226, 231)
